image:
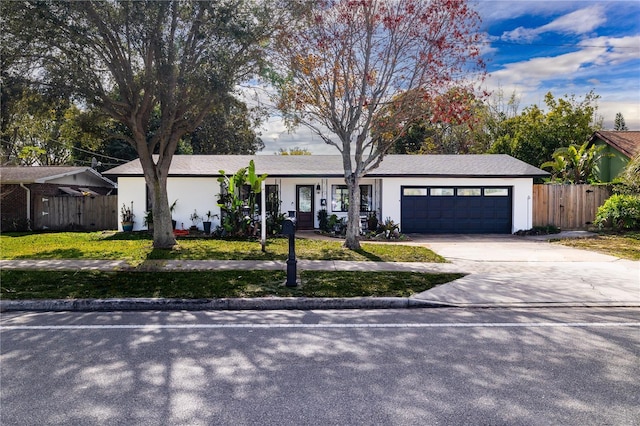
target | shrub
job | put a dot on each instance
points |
(620, 211)
(629, 180)
(323, 219)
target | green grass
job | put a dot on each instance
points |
(20, 285)
(625, 246)
(137, 247)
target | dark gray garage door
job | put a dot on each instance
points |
(456, 210)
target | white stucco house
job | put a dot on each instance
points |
(423, 193)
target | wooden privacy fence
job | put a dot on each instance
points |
(67, 213)
(567, 206)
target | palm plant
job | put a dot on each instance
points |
(575, 163)
(238, 199)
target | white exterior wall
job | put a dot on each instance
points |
(194, 193)
(287, 192)
(522, 192)
(132, 189)
(199, 193)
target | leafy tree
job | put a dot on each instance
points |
(493, 119)
(293, 151)
(620, 125)
(575, 164)
(534, 135)
(38, 133)
(227, 130)
(449, 125)
(351, 59)
(133, 59)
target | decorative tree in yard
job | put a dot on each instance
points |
(157, 67)
(353, 60)
(238, 200)
(620, 124)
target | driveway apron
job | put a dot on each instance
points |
(511, 270)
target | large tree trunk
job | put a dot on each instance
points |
(156, 178)
(353, 215)
(163, 237)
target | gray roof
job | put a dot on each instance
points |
(43, 174)
(495, 165)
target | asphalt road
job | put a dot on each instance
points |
(389, 367)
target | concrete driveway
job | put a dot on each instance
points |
(511, 270)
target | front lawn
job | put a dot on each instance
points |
(626, 246)
(21, 285)
(137, 247)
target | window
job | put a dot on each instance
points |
(340, 198)
(441, 192)
(469, 192)
(496, 192)
(414, 192)
(272, 199)
(366, 198)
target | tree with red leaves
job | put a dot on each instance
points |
(354, 60)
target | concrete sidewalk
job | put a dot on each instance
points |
(574, 278)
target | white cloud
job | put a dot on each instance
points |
(532, 72)
(300, 137)
(498, 10)
(596, 52)
(619, 49)
(579, 22)
(599, 65)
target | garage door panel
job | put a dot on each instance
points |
(457, 213)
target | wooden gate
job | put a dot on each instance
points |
(567, 206)
(75, 213)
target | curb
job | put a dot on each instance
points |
(538, 305)
(270, 303)
(274, 303)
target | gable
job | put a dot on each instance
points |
(625, 142)
(56, 175)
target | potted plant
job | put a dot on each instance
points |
(207, 223)
(126, 216)
(172, 207)
(372, 222)
(195, 218)
(148, 220)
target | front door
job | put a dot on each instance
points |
(304, 206)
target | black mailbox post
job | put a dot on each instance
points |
(289, 229)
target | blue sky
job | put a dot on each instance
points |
(533, 47)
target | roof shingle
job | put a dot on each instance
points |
(627, 142)
(496, 165)
(42, 174)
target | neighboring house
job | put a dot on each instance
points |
(424, 193)
(27, 193)
(620, 148)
